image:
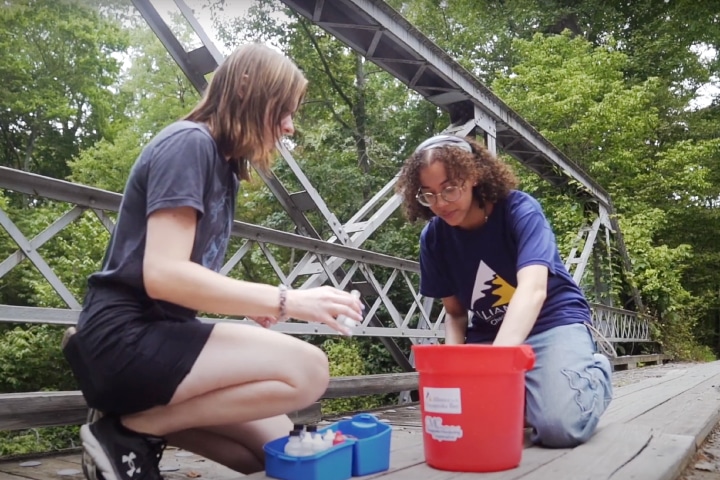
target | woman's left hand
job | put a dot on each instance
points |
(264, 321)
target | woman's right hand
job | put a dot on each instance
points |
(324, 305)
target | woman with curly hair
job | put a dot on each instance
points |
(488, 251)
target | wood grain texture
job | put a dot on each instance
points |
(650, 432)
(48, 409)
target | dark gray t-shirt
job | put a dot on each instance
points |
(180, 167)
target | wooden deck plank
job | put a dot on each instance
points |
(605, 453)
(663, 459)
(176, 465)
(403, 459)
(7, 476)
(49, 467)
(649, 433)
(668, 376)
(639, 402)
(532, 458)
(693, 413)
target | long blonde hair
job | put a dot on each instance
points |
(247, 98)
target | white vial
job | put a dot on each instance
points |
(347, 321)
(307, 446)
(328, 438)
(293, 446)
(317, 443)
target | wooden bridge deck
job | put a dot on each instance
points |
(650, 432)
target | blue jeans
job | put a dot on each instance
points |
(569, 387)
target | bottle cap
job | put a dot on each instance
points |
(349, 322)
(311, 428)
(294, 433)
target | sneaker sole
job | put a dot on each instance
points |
(89, 469)
(98, 454)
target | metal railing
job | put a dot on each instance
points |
(389, 284)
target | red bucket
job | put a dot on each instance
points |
(472, 399)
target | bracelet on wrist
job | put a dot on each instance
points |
(282, 304)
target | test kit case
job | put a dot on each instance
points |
(366, 451)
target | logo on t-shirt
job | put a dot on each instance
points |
(491, 295)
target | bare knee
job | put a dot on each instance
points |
(237, 356)
(310, 374)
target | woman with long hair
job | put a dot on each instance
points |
(140, 355)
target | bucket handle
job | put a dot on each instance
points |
(365, 417)
(525, 359)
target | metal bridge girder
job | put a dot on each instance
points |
(379, 33)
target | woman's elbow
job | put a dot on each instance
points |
(153, 279)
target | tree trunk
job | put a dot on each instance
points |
(360, 114)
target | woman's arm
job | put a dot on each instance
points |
(524, 306)
(168, 274)
(456, 321)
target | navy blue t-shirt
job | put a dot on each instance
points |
(480, 267)
(180, 167)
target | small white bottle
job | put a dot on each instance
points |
(347, 321)
(328, 438)
(317, 439)
(307, 445)
(293, 446)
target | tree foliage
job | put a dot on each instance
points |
(57, 72)
(612, 84)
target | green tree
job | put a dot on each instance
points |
(154, 93)
(578, 98)
(57, 73)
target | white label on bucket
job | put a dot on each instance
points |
(442, 433)
(442, 400)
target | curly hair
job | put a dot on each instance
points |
(494, 178)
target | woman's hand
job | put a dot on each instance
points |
(324, 305)
(266, 321)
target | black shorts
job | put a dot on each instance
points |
(129, 354)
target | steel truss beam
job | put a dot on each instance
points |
(379, 33)
(413, 320)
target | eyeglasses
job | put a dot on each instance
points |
(439, 141)
(450, 194)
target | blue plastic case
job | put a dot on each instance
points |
(366, 451)
(332, 464)
(371, 451)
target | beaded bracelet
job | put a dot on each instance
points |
(282, 316)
